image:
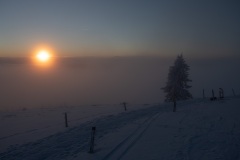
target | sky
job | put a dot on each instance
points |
(200, 28)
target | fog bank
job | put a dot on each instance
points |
(92, 80)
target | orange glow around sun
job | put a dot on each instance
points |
(43, 57)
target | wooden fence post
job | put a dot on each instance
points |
(92, 140)
(213, 93)
(125, 106)
(66, 120)
(233, 92)
(213, 98)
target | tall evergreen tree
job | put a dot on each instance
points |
(177, 84)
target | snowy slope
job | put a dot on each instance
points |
(28, 125)
(198, 130)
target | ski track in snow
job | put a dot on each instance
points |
(198, 130)
(199, 134)
(122, 148)
(76, 139)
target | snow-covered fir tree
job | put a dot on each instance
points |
(177, 83)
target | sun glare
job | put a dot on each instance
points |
(43, 56)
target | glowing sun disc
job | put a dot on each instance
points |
(43, 56)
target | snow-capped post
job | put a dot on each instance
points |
(92, 140)
(125, 106)
(66, 120)
(233, 92)
(177, 82)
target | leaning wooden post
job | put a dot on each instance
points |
(175, 105)
(66, 120)
(233, 92)
(92, 140)
(213, 98)
(125, 106)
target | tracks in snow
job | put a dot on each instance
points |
(126, 144)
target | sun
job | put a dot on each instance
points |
(43, 56)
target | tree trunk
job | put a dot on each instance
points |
(174, 107)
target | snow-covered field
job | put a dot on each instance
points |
(200, 129)
(26, 125)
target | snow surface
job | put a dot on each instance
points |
(200, 129)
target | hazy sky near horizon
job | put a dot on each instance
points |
(107, 80)
(121, 27)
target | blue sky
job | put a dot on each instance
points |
(121, 27)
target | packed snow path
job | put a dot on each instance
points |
(122, 148)
(70, 143)
(198, 130)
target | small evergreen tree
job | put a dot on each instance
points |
(177, 84)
